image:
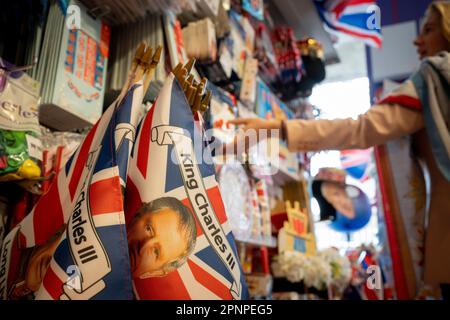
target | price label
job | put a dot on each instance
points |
(34, 147)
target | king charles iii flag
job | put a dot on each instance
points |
(180, 243)
(77, 229)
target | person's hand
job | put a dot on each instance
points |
(252, 131)
(256, 124)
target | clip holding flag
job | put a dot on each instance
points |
(196, 94)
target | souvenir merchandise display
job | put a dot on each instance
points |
(199, 40)
(268, 105)
(257, 224)
(238, 199)
(219, 71)
(114, 116)
(239, 44)
(20, 147)
(220, 113)
(118, 12)
(295, 235)
(288, 55)
(299, 262)
(248, 88)
(72, 68)
(255, 8)
(265, 54)
(174, 37)
(264, 205)
(57, 148)
(278, 213)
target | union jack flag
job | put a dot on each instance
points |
(165, 168)
(356, 163)
(89, 258)
(356, 18)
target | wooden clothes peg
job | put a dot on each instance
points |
(132, 73)
(195, 92)
(142, 67)
(143, 64)
(150, 71)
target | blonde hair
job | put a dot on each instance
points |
(443, 9)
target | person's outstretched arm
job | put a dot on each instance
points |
(378, 125)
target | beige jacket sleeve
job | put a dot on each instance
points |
(378, 125)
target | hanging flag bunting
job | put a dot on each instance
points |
(180, 242)
(360, 19)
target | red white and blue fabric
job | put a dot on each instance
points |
(356, 162)
(152, 174)
(350, 17)
(405, 95)
(427, 91)
(92, 263)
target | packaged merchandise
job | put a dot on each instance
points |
(248, 87)
(199, 40)
(265, 54)
(20, 147)
(174, 39)
(255, 8)
(238, 199)
(209, 7)
(256, 211)
(72, 69)
(221, 113)
(264, 205)
(238, 44)
(288, 55)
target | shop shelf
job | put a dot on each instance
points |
(260, 242)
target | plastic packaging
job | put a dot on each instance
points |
(237, 197)
(20, 146)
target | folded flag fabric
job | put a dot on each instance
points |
(180, 242)
(73, 243)
(357, 18)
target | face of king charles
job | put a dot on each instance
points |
(38, 263)
(160, 238)
(336, 195)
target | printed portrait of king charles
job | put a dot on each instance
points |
(160, 237)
